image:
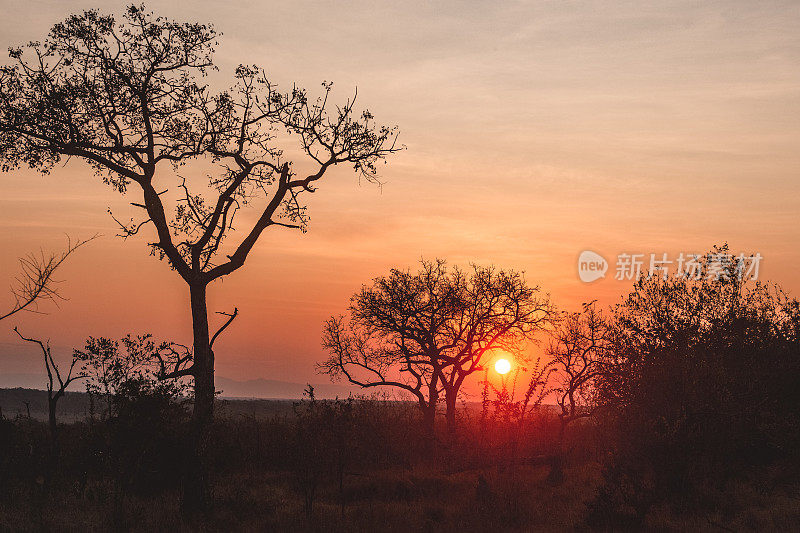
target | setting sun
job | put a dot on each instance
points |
(502, 366)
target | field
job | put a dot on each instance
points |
(338, 466)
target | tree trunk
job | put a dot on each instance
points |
(429, 419)
(196, 489)
(556, 475)
(562, 429)
(429, 410)
(450, 414)
(53, 451)
(203, 359)
(52, 423)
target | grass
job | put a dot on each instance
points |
(392, 480)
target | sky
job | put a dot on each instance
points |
(534, 131)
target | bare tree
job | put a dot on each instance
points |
(56, 383)
(129, 99)
(577, 345)
(35, 282)
(424, 333)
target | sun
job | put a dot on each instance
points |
(502, 366)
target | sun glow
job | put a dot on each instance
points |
(502, 366)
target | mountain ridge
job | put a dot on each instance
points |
(259, 388)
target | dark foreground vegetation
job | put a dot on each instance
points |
(349, 465)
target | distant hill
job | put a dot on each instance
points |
(231, 388)
(75, 406)
(24, 402)
(273, 389)
(21, 393)
(28, 381)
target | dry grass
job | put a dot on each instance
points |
(393, 481)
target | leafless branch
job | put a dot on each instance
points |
(231, 318)
(35, 282)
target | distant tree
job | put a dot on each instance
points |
(576, 349)
(128, 99)
(35, 281)
(424, 333)
(57, 383)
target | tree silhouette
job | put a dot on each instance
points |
(56, 384)
(577, 347)
(698, 387)
(424, 333)
(108, 368)
(129, 99)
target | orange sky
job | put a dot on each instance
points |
(534, 131)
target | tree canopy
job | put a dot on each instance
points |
(425, 332)
(130, 97)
